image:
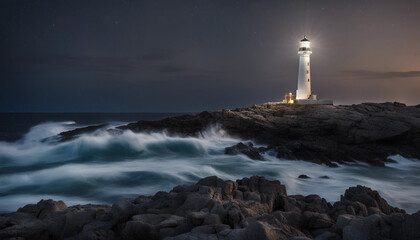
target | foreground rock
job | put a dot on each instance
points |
(250, 208)
(368, 132)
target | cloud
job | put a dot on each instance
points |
(364, 74)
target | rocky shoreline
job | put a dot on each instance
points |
(250, 208)
(323, 134)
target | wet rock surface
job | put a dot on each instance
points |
(246, 149)
(250, 208)
(324, 134)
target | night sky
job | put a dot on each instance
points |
(187, 56)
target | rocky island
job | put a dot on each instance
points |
(324, 134)
(248, 209)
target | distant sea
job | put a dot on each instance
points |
(103, 167)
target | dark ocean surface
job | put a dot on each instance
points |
(103, 168)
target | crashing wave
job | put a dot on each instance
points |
(102, 167)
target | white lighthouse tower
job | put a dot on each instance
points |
(304, 76)
(303, 92)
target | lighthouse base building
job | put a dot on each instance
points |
(303, 92)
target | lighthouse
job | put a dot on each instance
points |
(304, 75)
(303, 92)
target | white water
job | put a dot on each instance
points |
(102, 168)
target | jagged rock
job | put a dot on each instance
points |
(369, 198)
(311, 203)
(250, 208)
(269, 226)
(272, 193)
(226, 186)
(262, 185)
(248, 150)
(44, 208)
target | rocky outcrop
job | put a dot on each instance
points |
(368, 132)
(246, 149)
(250, 208)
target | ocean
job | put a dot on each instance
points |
(102, 168)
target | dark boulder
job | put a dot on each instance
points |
(227, 187)
(369, 198)
(303, 176)
(44, 208)
(247, 149)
